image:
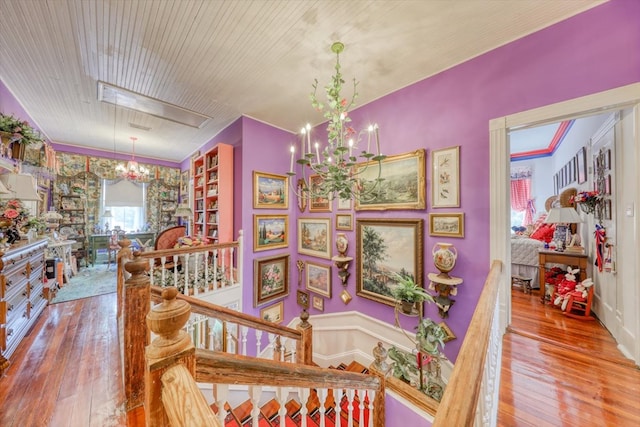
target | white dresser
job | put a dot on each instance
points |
(22, 296)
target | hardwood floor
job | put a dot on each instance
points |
(559, 371)
(556, 371)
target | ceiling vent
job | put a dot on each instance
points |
(141, 127)
(134, 101)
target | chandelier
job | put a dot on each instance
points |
(133, 171)
(338, 167)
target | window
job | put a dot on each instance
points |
(127, 202)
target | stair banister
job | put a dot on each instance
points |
(460, 399)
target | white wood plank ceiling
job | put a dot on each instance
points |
(227, 58)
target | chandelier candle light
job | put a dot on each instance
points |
(335, 162)
(133, 171)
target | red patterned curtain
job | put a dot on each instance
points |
(521, 195)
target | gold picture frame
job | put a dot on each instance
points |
(270, 279)
(317, 302)
(446, 224)
(450, 335)
(445, 178)
(319, 203)
(344, 222)
(274, 313)
(318, 278)
(270, 232)
(400, 242)
(270, 191)
(314, 237)
(403, 185)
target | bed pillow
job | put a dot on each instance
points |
(544, 233)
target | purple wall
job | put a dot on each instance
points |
(9, 105)
(591, 52)
(266, 149)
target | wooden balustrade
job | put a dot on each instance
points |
(460, 399)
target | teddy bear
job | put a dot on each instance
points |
(567, 285)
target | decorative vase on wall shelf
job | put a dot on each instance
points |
(444, 257)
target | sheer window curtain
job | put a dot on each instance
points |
(521, 194)
(127, 202)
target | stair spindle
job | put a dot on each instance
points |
(303, 393)
(282, 394)
(322, 397)
(350, 400)
(254, 394)
(221, 392)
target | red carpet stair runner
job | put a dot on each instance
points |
(269, 417)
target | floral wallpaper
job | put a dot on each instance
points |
(164, 184)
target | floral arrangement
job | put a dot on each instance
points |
(20, 130)
(15, 212)
(589, 200)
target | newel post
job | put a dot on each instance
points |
(136, 305)
(304, 347)
(172, 346)
(380, 369)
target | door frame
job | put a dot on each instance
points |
(499, 167)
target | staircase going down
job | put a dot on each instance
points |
(240, 416)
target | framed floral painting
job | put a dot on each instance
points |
(317, 203)
(271, 279)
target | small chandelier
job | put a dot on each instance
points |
(337, 164)
(133, 171)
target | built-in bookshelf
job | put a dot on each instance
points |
(213, 194)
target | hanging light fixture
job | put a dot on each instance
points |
(338, 163)
(133, 171)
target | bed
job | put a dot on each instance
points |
(524, 258)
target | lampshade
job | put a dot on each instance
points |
(20, 186)
(107, 214)
(563, 216)
(183, 211)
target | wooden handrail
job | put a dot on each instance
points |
(186, 250)
(460, 399)
(224, 368)
(225, 314)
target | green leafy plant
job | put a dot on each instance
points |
(430, 337)
(21, 131)
(408, 290)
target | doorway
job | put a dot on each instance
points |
(615, 99)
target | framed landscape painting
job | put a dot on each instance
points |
(385, 247)
(271, 279)
(314, 237)
(270, 191)
(403, 185)
(274, 313)
(446, 224)
(344, 222)
(319, 279)
(270, 232)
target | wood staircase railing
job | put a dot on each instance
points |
(461, 396)
(144, 382)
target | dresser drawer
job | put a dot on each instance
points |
(16, 330)
(16, 306)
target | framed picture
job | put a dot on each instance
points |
(273, 313)
(301, 194)
(270, 191)
(445, 178)
(345, 204)
(581, 164)
(403, 185)
(314, 237)
(317, 302)
(383, 247)
(319, 279)
(270, 232)
(607, 185)
(450, 335)
(607, 209)
(317, 204)
(446, 224)
(271, 279)
(344, 222)
(303, 299)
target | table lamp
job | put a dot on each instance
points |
(184, 212)
(52, 219)
(563, 217)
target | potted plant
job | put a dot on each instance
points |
(17, 134)
(408, 292)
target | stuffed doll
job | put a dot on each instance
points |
(580, 293)
(567, 285)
